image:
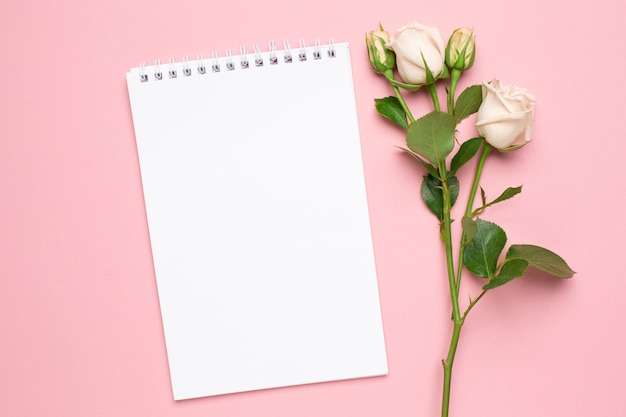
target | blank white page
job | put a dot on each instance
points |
(258, 220)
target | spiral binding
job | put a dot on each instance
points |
(231, 62)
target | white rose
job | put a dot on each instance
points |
(414, 44)
(505, 116)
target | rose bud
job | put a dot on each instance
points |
(461, 49)
(381, 58)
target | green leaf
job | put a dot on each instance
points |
(390, 108)
(469, 228)
(432, 136)
(468, 102)
(444, 73)
(507, 194)
(430, 79)
(432, 193)
(542, 259)
(453, 184)
(431, 169)
(465, 153)
(409, 87)
(482, 253)
(510, 270)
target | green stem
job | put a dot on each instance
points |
(447, 367)
(479, 171)
(473, 303)
(455, 281)
(470, 205)
(447, 235)
(454, 78)
(433, 93)
(454, 298)
(449, 361)
(399, 96)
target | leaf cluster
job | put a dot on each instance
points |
(432, 137)
(485, 243)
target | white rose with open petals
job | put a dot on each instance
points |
(505, 116)
(414, 44)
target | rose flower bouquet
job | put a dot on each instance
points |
(503, 120)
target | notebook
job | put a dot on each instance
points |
(258, 220)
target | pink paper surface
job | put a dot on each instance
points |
(79, 315)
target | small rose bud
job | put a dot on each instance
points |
(461, 49)
(381, 57)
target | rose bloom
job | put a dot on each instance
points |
(414, 43)
(505, 116)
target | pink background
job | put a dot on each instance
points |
(79, 315)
